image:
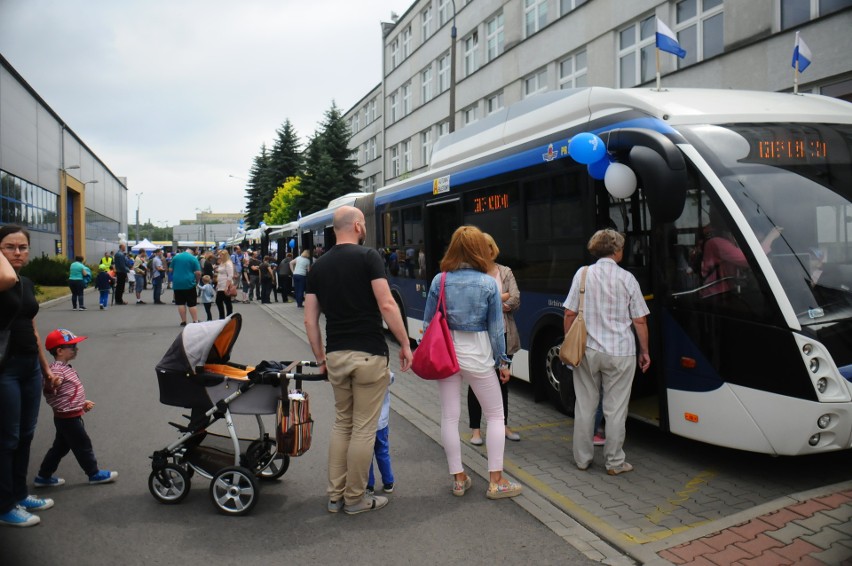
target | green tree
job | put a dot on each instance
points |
(285, 159)
(330, 168)
(281, 208)
(259, 182)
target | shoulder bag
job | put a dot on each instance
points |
(574, 344)
(435, 357)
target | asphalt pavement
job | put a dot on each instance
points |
(121, 523)
(685, 503)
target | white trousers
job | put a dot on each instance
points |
(486, 386)
(616, 375)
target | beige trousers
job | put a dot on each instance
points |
(359, 381)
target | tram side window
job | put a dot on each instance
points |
(707, 267)
(496, 210)
(412, 232)
(389, 246)
(556, 232)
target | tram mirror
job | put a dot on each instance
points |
(664, 187)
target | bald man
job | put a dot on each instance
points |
(349, 286)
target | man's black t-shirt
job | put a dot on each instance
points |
(342, 281)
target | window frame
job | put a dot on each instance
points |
(537, 75)
(635, 49)
(538, 9)
(697, 21)
(495, 40)
(570, 80)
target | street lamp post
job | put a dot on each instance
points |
(138, 195)
(453, 34)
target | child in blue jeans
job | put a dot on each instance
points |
(103, 283)
(382, 448)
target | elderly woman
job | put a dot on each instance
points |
(475, 318)
(21, 371)
(613, 302)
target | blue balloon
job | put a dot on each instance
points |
(291, 243)
(586, 148)
(597, 170)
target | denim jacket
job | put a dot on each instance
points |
(472, 306)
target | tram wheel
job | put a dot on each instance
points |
(557, 378)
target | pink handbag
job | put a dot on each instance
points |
(435, 357)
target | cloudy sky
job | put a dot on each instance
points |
(178, 95)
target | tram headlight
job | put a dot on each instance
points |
(824, 421)
(814, 365)
(822, 383)
(807, 349)
(814, 440)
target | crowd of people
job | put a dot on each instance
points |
(481, 295)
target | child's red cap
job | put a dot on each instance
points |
(61, 337)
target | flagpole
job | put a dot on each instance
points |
(658, 69)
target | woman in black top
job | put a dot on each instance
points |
(21, 373)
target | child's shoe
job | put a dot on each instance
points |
(103, 476)
(52, 481)
(460, 487)
(388, 487)
(33, 503)
(371, 490)
(18, 517)
(598, 440)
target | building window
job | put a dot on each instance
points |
(394, 107)
(426, 22)
(370, 111)
(406, 99)
(26, 204)
(371, 151)
(699, 30)
(535, 16)
(566, 6)
(494, 103)
(443, 12)
(573, 70)
(797, 12)
(443, 129)
(406, 156)
(471, 43)
(494, 42)
(636, 45)
(469, 115)
(535, 83)
(394, 53)
(406, 42)
(425, 147)
(426, 84)
(394, 161)
(444, 73)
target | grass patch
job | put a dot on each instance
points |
(46, 293)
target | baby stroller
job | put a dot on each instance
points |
(196, 373)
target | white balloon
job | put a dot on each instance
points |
(620, 180)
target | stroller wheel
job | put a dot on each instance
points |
(234, 490)
(276, 468)
(169, 485)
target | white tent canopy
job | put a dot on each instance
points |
(146, 245)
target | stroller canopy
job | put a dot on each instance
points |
(202, 343)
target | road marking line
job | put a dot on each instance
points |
(680, 497)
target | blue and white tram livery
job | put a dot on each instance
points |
(758, 360)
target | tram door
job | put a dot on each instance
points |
(442, 219)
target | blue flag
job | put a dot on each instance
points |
(666, 40)
(801, 53)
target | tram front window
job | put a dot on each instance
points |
(797, 177)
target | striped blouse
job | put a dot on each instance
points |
(67, 400)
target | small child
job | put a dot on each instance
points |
(208, 295)
(103, 283)
(382, 448)
(69, 404)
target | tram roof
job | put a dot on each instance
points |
(548, 114)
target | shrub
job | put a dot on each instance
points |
(48, 271)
